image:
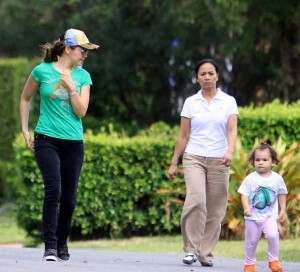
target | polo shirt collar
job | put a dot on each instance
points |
(219, 94)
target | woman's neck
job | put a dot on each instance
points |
(209, 94)
(63, 65)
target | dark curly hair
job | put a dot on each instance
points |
(266, 144)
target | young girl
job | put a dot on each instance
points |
(261, 192)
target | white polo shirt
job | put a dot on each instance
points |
(208, 136)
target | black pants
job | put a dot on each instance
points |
(60, 162)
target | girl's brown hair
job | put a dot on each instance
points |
(266, 144)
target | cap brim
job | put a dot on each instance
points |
(90, 46)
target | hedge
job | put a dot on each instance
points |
(273, 120)
(117, 190)
(124, 189)
(13, 75)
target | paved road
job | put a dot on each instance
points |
(29, 260)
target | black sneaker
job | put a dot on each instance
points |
(207, 264)
(50, 255)
(63, 253)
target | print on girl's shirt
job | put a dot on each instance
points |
(263, 197)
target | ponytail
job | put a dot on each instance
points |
(53, 50)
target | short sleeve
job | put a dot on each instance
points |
(36, 73)
(282, 190)
(86, 79)
(186, 110)
(233, 107)
(244, 188)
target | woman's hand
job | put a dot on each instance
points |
(79, 101)
(29, 89)
(67, 81)
(227, 158)
(29, 142)
(173, 170)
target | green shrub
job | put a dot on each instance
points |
(117, 189)
(273, 120)
(124, 189)
(13, 75)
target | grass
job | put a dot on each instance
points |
(9, 230)
(11, 233)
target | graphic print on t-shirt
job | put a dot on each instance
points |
(60, 92)
(263, 198)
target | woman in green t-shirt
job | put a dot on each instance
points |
(64, 88)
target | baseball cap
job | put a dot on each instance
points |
(75, 37)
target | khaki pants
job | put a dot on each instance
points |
(205, 205)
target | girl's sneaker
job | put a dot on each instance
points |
(189, 258)
(250, 268)
(275, 266)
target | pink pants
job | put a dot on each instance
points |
(253, 232)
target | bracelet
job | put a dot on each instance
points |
(73, 93)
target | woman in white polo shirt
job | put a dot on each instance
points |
(207, 137)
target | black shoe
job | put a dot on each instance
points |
(50, 255)
(63, 253)
(207, 264)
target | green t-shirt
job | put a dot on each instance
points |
(57, 118)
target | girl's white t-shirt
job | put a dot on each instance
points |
(262, 193)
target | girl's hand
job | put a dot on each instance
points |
(247, 212)
(282, 216)
(28, 140)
